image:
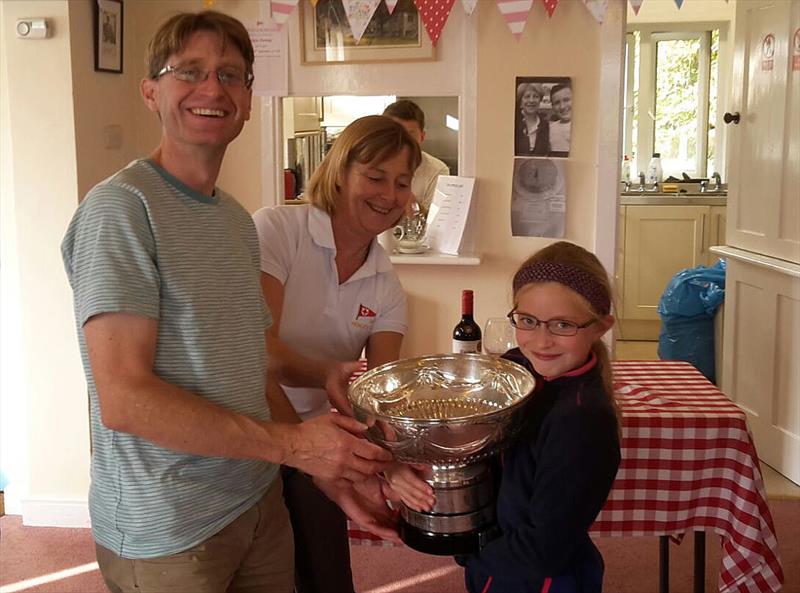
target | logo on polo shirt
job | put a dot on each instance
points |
(364, 318)
(364, 311)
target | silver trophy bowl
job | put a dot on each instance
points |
(450, 413)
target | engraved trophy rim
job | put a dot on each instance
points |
(477, 396)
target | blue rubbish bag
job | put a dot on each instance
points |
(687, 310)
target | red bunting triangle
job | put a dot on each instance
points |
(434, 15)
(550, 6)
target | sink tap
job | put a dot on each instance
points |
(641, 182)
(717, 181)
(704, 186)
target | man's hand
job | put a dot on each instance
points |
(364, 504)
(330, 446)
(337, 379)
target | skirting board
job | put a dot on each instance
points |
(55, 513)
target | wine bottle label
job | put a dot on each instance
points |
(462, 346)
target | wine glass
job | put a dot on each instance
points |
(498, 336)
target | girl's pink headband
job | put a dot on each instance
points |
(581, 282)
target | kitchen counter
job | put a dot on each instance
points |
(661, 199)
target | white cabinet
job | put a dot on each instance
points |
(760, 352)
(659, 241)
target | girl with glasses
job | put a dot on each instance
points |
(556, 476)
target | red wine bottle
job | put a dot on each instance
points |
(467, 333)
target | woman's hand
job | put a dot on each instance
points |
(405, 484)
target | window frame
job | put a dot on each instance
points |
(649, 36)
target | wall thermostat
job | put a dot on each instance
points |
(33, 28)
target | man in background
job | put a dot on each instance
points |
(410, 116)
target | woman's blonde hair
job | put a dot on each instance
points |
(581, 268)
(370, 139)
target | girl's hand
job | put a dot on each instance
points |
(405, 484)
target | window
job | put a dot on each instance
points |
(672, 87)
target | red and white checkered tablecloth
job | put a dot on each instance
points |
(688, 464)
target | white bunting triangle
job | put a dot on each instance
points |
(359, 14)
(597, 8)
(469, 6)
(282, 10)
(515, 13)
(390, 5)
(636, 5)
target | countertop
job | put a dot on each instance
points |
(661, 199)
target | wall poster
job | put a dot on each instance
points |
(538, 198)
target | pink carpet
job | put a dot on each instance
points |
(631, 563)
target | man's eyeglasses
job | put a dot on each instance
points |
(557, 327)
(229, 77)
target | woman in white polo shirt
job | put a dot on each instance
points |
(333, 292)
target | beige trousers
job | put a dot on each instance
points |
(253, 554)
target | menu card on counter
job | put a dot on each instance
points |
(449, 212)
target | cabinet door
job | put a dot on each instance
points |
(716, 230)
(307, 114)
(764, 166)
(660, 241)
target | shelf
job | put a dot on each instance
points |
(436, 259)
(758, 259)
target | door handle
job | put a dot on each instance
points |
(731, 117)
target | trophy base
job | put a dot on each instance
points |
(446, 544)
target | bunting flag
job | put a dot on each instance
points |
(314, 3)
(282, 10)
(597, 8)
(390, 5)
(679, 3)
(434, 15)
(550, 6)
(359, 14)
(636, 5)
(515, 12)
(469, 6)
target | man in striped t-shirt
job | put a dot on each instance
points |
(185, 493)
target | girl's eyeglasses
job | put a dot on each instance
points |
(557, 327)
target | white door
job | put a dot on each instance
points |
(762, 309)
(764, 178)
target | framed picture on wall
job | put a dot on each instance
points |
(108, 35)
(542, 116)
(397, 37)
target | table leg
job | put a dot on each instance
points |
(699, 562)
(663, 564)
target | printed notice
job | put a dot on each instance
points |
(447, 218)
(271, 66)
(538, 198)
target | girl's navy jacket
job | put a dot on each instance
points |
(555, 479)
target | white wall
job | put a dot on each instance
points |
(119, 92)
(568, 44)
(666, 11)
(13, 412)
(41, 191)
